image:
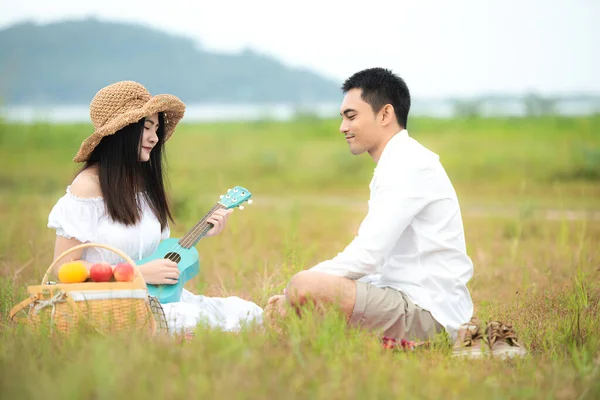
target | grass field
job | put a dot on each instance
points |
(530, 197)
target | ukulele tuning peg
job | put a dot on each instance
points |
(250, 202)
(241, 207)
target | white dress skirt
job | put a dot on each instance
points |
(86, 220)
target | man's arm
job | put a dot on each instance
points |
(391, 210)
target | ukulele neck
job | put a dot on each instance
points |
(199, 230)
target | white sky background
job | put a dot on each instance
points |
(441, 48)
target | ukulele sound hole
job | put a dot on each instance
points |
(173, 257)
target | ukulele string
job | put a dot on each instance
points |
(171, 254)
(200, 227)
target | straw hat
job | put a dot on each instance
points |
(123, 103)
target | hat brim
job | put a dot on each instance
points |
(170, 105)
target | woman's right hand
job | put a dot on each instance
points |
(160, 272)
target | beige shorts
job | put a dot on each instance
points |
(392, 313)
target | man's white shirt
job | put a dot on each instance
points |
(412, 238)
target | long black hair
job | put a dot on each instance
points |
(123, 177)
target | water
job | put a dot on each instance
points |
(212, 112)
(193, 113)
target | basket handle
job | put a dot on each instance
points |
(20, 307)
(86, 245)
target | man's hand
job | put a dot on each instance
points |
(275, 298)
(276, 306)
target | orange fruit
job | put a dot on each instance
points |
(72, 272)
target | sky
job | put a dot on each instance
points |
(441, 48)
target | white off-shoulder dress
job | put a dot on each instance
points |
(86, 220)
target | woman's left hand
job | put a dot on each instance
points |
(218, 219)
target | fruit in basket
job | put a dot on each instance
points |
(72, 272)
(123, 272)
(101, 272)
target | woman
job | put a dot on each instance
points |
(118, 199)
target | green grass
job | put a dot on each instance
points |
(529, 191)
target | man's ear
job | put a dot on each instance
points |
(387, 115)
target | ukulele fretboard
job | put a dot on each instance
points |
(195, 234)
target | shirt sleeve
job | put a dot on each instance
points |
(393, 205)
(76, 218)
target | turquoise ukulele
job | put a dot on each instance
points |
(183, 252)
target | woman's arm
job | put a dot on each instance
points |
(85, 185)
(63, 244)
(160, 271)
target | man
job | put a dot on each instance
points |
(405, 273)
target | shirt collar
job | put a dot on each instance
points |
(394, 141)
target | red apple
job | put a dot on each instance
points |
(123, 272)
(101, 272)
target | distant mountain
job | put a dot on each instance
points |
(68, 62)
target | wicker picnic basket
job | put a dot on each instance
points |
(103, 307)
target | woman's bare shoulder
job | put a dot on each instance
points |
(86, 184)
